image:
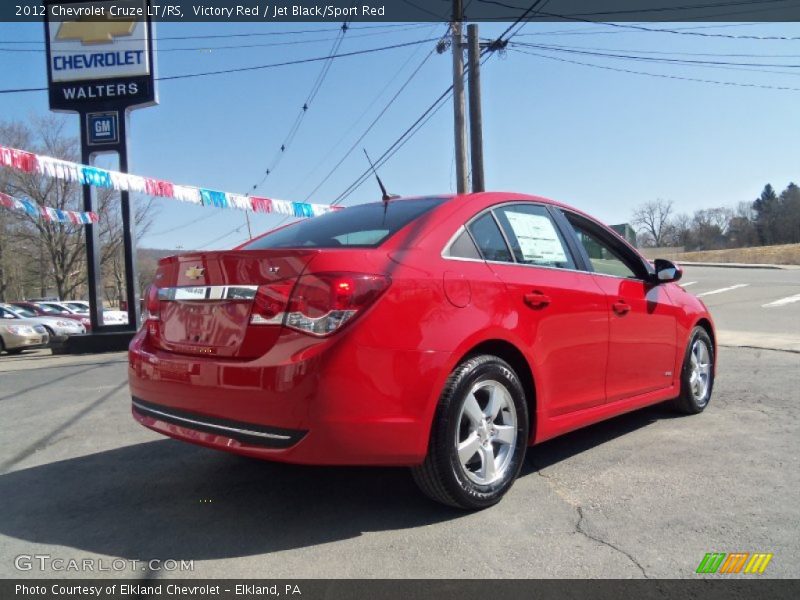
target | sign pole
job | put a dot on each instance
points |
(94, 276)
(128, 211)
(102, 68)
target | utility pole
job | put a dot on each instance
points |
(475, 113)
(459, 107)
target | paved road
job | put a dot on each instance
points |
(751, 307)
(643, 495)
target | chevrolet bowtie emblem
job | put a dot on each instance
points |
(94, 32)
(194, 272)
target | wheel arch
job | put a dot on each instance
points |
(510, 353)
(706, 324)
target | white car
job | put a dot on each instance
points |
(57, 328)
(81, 307)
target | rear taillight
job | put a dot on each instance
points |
(319, 304)
(269, 305)
(152, 304)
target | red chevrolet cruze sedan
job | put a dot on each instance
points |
(445, 333)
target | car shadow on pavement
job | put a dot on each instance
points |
(571, 444)
(167, 499)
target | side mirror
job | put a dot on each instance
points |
(666, 271)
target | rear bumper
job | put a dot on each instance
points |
(169, 420)
(334, 404)
(16, 342)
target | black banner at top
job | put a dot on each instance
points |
(276, 11)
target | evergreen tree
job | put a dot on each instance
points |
(766, 208)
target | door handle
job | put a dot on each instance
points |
(536, 299)
(621, 307)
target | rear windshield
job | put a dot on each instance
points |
(363, 226)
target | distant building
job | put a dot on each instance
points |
(626, 231)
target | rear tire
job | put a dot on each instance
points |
(697, 374)
(478, 438)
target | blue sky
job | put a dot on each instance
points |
(601, 140)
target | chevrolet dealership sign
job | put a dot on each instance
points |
(96, 58)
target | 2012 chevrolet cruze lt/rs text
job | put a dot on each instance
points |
(442, 333)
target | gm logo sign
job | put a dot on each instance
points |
(734, 563)
(102, 128)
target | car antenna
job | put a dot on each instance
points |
(386, 197)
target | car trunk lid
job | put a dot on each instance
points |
(205, 300)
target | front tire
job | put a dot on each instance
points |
(478, 438)
(697, 374)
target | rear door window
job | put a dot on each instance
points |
(533, 236)
(464, 247)
(489, 239)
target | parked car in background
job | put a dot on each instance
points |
(443, 333)
(44, 310)
(58, 328)
(81, 307)
(115, 317)
(17, 334)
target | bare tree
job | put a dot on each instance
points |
(653, 220)
(55, 252)
(60, 242)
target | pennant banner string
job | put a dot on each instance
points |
(47, 213)
(65, 170)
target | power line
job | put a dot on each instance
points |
(692, 33)
(672, 52)
(660, 75)
(369, 128)
(240, 35)
(437, 104)
(258, 67)
(605, 30)
(364, 112)
(434, 107)
(404, 138)
(656, 30)
(681, 61)
(184, 225)
(635, 11)
(239, 46)
(222, 237)
(295, 62)
(280, 153)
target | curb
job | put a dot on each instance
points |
(739, 265)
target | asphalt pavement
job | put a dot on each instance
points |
(750, 306)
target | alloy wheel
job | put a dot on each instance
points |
(700, 374)
(486, 433)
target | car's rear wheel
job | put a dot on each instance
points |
(478, 437)
(697, 374)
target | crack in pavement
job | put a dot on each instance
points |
(579, 528)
